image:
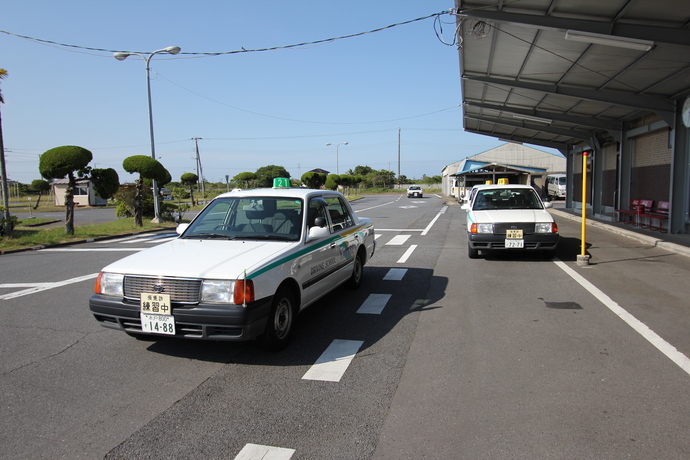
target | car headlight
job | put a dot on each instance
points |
(545, 227)
(217, 291)
(482, 228)
(109, 284)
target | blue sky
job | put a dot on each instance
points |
(251, 109)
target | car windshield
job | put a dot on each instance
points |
(506, 198)
(415, 187)
(249, 217)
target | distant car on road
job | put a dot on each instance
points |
(505, 217)
(242, 269)
(414, 191)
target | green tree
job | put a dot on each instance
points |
(361, 171)
(39, 186)
(332, 181)
(314, 179)
(59, 162)
(190, 180)
(245, 178)
(266, 174)
(148, 168)
(5, 221)
(106, 182)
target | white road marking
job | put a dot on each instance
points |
(358, 211)
(38, 287)
(407, 254)
(395, 274)
(120, 240)
(333, 362)
(433, 221)
(663, 346)
(160, 240)
(92, 249)
(407, 207)
(258, 452)
(374, 304)
(398, 240)
(399, 229)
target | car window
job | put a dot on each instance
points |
(249, 217)
(506, 198)
(339, 213)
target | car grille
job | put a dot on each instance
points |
(527, 228)
(181, 290)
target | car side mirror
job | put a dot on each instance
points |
(548, 204)
(180, 229)
(465, 206)
(316, 233)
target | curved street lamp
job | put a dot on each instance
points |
(121, 56)
(336, 154)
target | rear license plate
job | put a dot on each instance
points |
(515, 243)
(514, 234)
(156, 314)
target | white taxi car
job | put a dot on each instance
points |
(242, 269)
(510, 216)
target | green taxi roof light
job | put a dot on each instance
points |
(281, 182)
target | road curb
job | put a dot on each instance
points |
(654, 241)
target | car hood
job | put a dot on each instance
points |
(510, 215)
(194, 258)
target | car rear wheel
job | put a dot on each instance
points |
(281, 321)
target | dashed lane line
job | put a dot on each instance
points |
(395, 274)
(374, 304)
(407, 254)
(259, 452)
(398, 240)
(334, 361)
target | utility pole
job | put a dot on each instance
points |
(399, 158)
(199, 169)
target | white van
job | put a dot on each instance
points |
(555, 186)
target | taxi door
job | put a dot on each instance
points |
(322, 268)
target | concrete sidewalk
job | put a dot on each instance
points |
(679, 243)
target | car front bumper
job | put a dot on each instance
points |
(203, 321)
(533, 242)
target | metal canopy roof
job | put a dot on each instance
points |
(523, 80)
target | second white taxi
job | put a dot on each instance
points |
(509, 217)
(242, 269)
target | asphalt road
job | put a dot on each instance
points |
(499, 357)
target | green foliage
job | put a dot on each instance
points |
(126, 201)
(189, 178)
(40, 186)
(332, 181)
(314, 179)
(58, 162)
(245, 178)
(7, 224)
(106, 182)
(148, 168)
(266, 174)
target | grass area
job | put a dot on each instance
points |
(28, 237)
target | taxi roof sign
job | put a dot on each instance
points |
(281, 182)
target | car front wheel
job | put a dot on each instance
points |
(281, 321)
(472, 253)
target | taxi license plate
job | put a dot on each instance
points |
(156, 314)
(514, 234)
(515, 243)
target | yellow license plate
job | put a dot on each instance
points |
(155, 304)
(513, 234)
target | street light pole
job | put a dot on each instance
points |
(121, 57)
(336, 154)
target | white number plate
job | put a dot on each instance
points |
(156, 314)
(515, 243)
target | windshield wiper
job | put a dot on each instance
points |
(210, 235)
